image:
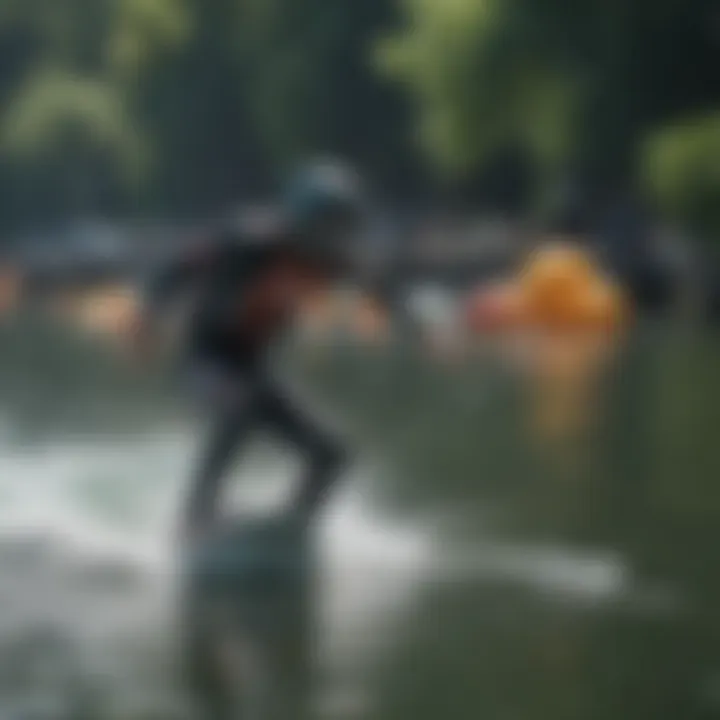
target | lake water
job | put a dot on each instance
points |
(465, 571)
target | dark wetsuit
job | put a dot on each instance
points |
(226, 356)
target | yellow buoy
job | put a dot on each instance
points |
(604, 307)
(574, 313)
(564, 289)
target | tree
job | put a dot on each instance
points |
(69, 129)
(682, 168)
(579, 84)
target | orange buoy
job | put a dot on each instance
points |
(553, 282)
(566, 291)
(603, 308)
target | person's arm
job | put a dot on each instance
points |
(387, 293)
(431, 321)
(386, 280)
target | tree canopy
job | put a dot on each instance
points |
(182, 106)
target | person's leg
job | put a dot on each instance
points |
(323, 452)
(232, 399)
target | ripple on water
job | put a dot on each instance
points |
(102, 582)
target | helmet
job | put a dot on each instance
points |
(324, 204)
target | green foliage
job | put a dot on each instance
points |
(143, 28)
(54, 106)
(70, 116)
(681, 164)
(481, 79)
(309, 85)
(206, 100)
(576, 83)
